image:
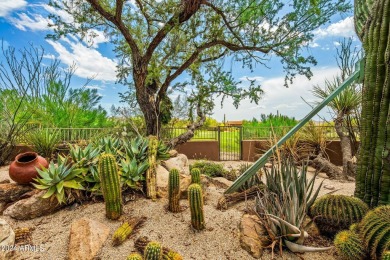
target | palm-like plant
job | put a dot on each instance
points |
(57, 180)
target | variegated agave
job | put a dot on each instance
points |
(58, 180)
(284, 203)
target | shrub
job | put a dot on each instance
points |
(210, 169)
(44, 141)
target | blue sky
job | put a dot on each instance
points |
(23, 22)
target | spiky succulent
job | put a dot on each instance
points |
(195, 198)
(195, 175)
(128, 227)
(153, 251)
(333, 213)
(174, 190)
(349, 245)
(57, 179)
(132, 173)
(134, 256)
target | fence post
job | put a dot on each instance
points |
(219, 142)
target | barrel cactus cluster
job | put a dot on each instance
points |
(349, 245)
(333, 213)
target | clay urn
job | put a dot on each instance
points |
(23, 169)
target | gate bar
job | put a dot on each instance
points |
(357, 75)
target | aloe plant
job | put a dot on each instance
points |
(57, 179)
(284, 204)
(132, 173)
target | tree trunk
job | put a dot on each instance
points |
(324, 165)
(345, 143)
(372, 22)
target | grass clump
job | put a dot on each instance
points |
(210, 169)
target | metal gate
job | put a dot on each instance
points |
(229, 138)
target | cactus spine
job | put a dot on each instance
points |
(174, 191)
(195, 198)
(153, 251)
(333, 213)
(126, 229)
(195, 175)
(386, 255)
(375, 231)
(134, 256)
(167, 253)
(110, 185)
(151, 182)
(372, 23)
(349, 245)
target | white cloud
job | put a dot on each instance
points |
(94, 87)
(288, 101)
(90, 62)
(35, 22)
(256, 78)
(7, 6)
(342, 28)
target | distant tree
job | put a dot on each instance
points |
(157, 41)
(346, 106)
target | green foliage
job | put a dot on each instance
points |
(195, 175)
(255, 180)
(386, 255)
(153, 251)
(132, 173)
(210, 169)
(375, 231)
(333, 213)
(134, 256)
(174, 190)
(195, 199)
(110, 185)
(349, 245)
(44, 141)
(284, 204)
(57, 180)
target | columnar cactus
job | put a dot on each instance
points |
(167, 253)
(151, 182)
(375, 231)
(349, 245)
(333, 213)
(126, 229)
(110, 186)
(372, 23)
(195, 175)
(134, 256)
(153, 251)
(195, 198)
(174, 191)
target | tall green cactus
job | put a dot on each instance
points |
(195, 175)
(349, 245)
(333, 213)
(153, 251)
(195, 198)
(151, 182)
(174, 191)
(372, 23)
(375, 231)
(110, 185)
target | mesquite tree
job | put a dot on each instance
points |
(157, 41)
(372, 23)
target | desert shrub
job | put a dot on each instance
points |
(44, 141)
(210, 169)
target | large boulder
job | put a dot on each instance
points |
(32, 207)
(7, 239)
(253, 236)
(11, 191)
(86, 239)
(180, 162)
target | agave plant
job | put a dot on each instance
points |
(110, 144)
(86, 159)
(58, 179)
(137, 148)
(132, 173)
(285, 202)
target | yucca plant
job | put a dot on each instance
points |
(284, 203)
(44, 141)
(57, 180)
(132, 173)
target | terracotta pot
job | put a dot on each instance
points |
(22, 170)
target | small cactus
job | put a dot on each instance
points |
(126, 229)
(134, 256)
(153, 251)
(151, 182)
(167, 253)
(195, 175)
(375, 231)
(110, 185)
(386, 255)
(195, 198)
(174, 191)
(333, 213)
(349, 245)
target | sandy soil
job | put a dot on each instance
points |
(220, 240)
